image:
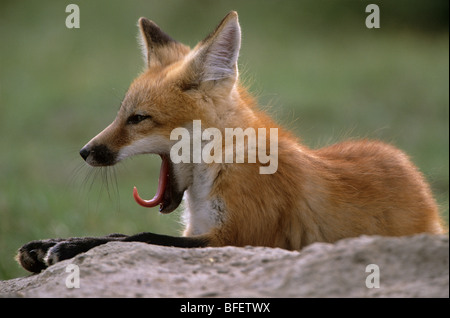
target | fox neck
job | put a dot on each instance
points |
(204, 209)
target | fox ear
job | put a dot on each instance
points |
(154, 42)
(215, 58)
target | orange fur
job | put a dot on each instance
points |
(345, 190)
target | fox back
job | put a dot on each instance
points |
(345, 190)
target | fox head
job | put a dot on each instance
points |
(178, 85)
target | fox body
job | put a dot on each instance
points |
(345, 190)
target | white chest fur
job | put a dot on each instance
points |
(202, 211)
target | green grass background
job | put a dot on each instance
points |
(312, 64)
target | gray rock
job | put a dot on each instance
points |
(416, 266)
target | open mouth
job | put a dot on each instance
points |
(167, 196)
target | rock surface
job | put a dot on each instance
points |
(416, 266)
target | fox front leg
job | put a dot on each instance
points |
(38, 255)
(35, 256)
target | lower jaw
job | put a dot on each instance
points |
(169, 205)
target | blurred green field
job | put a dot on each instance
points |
(313, 65)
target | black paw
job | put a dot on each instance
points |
(32, 255)
(38, 255)
(69, 248)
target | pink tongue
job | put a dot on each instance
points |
(162, 182)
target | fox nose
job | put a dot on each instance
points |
(84, 153)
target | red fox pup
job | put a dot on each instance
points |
(244, 179)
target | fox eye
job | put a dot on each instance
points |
(136, 119)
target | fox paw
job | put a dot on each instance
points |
(33, 255)
(38, 255)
